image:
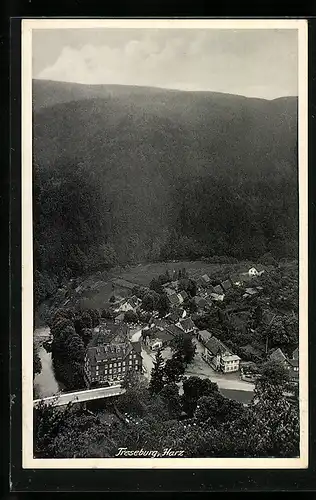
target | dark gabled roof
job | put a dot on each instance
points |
(187, 324)
(174, 330)
(108, 351)
(278, 355)
(215, 346)
(137, 347)
(109, 333)
(184, 294)
(293, 362)
(123, 283)
(164, 336)
(226, 285)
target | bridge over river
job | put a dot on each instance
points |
(82, 396)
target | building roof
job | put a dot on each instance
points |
(173, 299)
(226, 285)
(184, 294)
(174, 330)
(231, 357)
(137, 346)
(200, 301)
(123, 283)
(295, 354)
(206, 278)
(278, 355)
(187, 324)
(217, 296)
(294, 362)
(214, 345)
(205, 335)
(133, 301)
(251, 291)
(164, 336)
(109, 333)
(108, 351)
(120, 317)
(218, 289)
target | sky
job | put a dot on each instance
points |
(254, 63)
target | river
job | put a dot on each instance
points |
(45, 383)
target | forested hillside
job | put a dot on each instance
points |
(126, 174)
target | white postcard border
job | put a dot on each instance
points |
(28, 461)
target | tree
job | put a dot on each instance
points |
(163, 305)
(188, 285)
(130, 317)
(193, 389)
(150, 301)
(170, 394)
(183, 344)
(273, 379)
(157, 373)
(174, 368)
(37, 364)
(156, 285)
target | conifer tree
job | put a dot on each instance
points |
(157, 374)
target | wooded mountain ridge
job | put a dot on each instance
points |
(125, 174)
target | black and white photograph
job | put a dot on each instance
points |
(164, 232)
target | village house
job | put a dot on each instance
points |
(256, 271)
(109, 332)
(182, 296)
(203, 336)
(120, 317)
(218, 290)
(130, 304)
(250, 292)
(110, 362)
(226, 285)
(174, 330)
(218, 297)
(292, 365)
(158, 339)
(187, 325)
(174, 300)
(220, 357)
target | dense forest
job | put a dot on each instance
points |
(125, 174)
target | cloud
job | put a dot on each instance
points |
(243, 63)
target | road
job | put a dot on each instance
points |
(82, 396)
(227, 381)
